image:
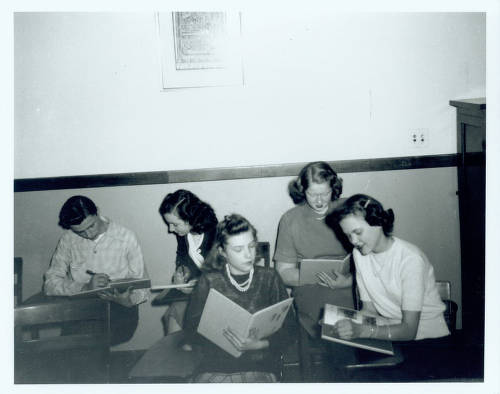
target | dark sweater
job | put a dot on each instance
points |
(266, 289)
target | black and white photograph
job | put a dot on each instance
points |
(252, 194)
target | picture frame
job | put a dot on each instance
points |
(200, 49)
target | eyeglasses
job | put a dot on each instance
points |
(324, 196)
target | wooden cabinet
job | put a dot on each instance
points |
(471, 166)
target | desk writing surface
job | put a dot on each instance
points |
(167, 359)
(168, 297)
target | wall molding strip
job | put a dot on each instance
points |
(218, 174)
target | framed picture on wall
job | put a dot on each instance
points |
(200, 49)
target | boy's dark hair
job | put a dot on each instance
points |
(317, 172)
(367, 207)
(233, 224)
(200, 216)
(75, 210)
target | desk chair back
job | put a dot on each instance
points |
(18, 281)
(450, 313)
(263, 255)
(79, 357)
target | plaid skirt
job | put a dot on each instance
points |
(238, 377)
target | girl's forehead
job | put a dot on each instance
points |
(353, 220)
(172, 217)
(320, 187)
(240, 239)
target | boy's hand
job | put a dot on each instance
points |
(122, 298)
(97, 281)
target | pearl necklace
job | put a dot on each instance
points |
(243, 286)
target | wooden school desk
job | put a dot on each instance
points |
(61, 340)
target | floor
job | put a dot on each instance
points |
(466, 366)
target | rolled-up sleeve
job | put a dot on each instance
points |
(285, 247)
(137, 269)
(58, 280)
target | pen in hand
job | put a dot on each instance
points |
(98, 280)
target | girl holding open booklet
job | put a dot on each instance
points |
(231, 270)
(303, 234)
(396, 281)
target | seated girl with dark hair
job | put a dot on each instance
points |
(194, 224)
(231, 270)
(394, 277)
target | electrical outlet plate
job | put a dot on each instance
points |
(419, 138)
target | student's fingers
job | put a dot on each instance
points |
(105, 296)
(129, 290)
(322, 277)
(178, 278)
(100, 280)
(231, 338)
(325, 279)
(344, 328)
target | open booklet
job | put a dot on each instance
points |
(221, 313)
(335, 313)
(119, 284)
(309, 268)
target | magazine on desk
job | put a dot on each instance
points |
(221, 313)
(335, 313)
(119, 284)
(309, 268)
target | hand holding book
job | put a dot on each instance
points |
(97, 280)
(120, 297)
(347, 329)
(243, 344)
(334, 280)
(353, 328)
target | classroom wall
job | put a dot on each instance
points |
(424, 201)
(317, 85)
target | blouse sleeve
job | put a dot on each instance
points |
(413, 275)
(285, 247)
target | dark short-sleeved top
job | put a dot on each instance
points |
(303, 234)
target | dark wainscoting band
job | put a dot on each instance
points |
(218, 174)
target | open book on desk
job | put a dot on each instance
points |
(119, 284)
(335, 313)
(221, 313)
(309, 268)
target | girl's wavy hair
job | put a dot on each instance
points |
(233, 224)
(317, 172)
(200, 216)
(367, 207)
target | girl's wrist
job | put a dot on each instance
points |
(369, 331)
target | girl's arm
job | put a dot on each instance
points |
(404, 331)
(289, 272)
(369, 308)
